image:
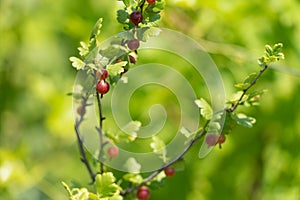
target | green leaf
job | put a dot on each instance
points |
(205, 109)
(133, 178)
(106, 186)
(132, 128)
(77, 63)
(143, 34)
(96, 29)
(116, 69)
(243, 119)
(122, 16)
(186, 132)
(83, 49)
(126, 3)
(157, 145)
(250, 78)
(132, 166)
(126, 35)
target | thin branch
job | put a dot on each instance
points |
(101, 118)
(234, 106)
(83, 158)
(178, 157)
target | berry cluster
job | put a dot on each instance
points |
(102, 86)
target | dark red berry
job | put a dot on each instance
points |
(102, 87)
(133, 44)
(102, 74)
(136, 17)
(151, 1)
(169, 171)
(211, 139)
(143, 193)
(222, 139)
(113, 151)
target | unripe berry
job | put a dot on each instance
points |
(169, 171)
(133, 44)
(113, 151)
(151, 1)
(136, 17)
(143, 193)
(102, 74)
(211, 139)
(102, 87)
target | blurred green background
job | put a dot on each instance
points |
(38, 147)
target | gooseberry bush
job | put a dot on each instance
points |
(101, 68)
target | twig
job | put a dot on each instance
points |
(80, 142)
(155, 173)
(234, 106)
(101, 118)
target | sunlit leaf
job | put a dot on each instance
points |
(133, 178)
(143, 34)
(205, 109)
(132, 166)
(116, 69)
(106, 186)
(77, 63)
(243, 119)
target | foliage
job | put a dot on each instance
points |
(38, 147)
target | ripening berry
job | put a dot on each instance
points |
(102, 87)
(222, 139)
(143, 193)
(211, 139)
(102, 74)
(151, 1)
(169, 171)
(136, 17)
(113, 151)
(80, 110)
(133, 44)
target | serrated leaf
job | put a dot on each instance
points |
(205, 109)
(83, 49)
(77, 63)
(100, 61)
(126, 35)
(250, 78)
(157, 144)
(241, 86)
(106, 186)
(96, 29)
(132, 128)
(186, 132)
(143, 34)
(116, 69)
(122, 16)
(132, 166)
(133, 178)
(243, 119)
(126, 3)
